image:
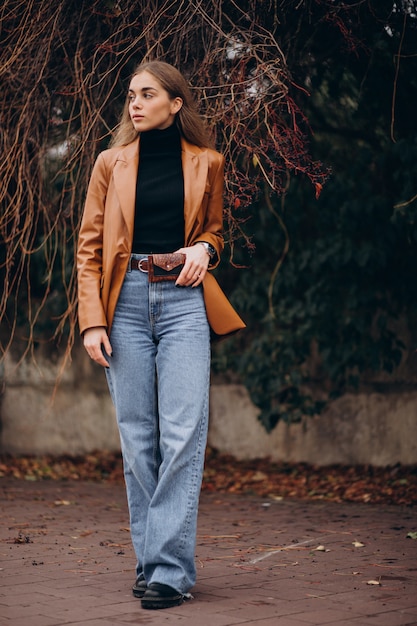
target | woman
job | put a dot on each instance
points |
(158, 189)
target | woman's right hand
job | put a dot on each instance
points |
(94, 340)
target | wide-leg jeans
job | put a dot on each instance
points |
(158, 377)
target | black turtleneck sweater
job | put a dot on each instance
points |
(159, 206)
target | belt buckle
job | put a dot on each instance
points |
(140, 266)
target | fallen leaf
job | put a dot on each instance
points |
(21, 538)
(320, 549)
(373, 582)
(411, 535)
(358, 544)
(225, 474)
(259, 476)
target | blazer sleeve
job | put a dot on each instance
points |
(90, 250)
(213, 218)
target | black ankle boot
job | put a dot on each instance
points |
(159, 596)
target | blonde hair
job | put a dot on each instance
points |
(188, 120)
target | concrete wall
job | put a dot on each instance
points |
(37, 416)
(40, 416)
(374, 428)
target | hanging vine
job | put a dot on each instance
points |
(64, 68)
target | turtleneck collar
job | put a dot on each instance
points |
(157, 141)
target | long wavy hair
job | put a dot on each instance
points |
(188, 120)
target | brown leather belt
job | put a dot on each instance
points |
(160, 267)
(139, 264)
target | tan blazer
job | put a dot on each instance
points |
(107, 231)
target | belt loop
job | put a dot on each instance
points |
(129, 265)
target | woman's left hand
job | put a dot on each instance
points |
(195, 267)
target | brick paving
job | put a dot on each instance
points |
(66, 558)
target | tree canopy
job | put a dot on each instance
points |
(341, 309)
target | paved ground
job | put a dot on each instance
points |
(66, 558)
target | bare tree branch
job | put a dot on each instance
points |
(64, 67)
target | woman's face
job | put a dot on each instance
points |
(150, 106)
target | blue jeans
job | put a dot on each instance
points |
(158, 377)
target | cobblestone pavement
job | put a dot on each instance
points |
(66, 558)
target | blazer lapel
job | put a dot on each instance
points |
(195, 170)
(124, 175)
